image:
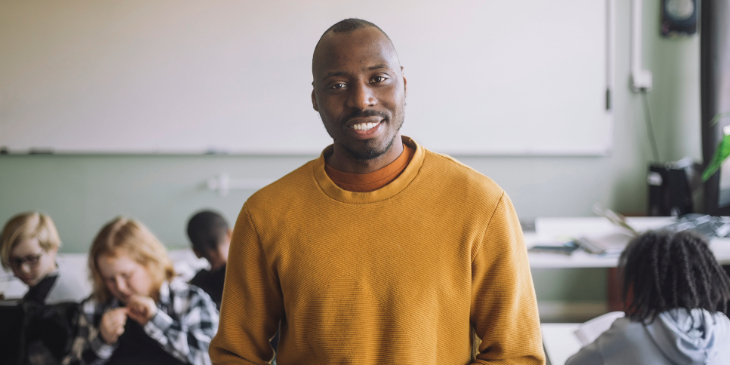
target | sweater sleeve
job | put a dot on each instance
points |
(503, 305)
(187, 338)
(88, 347)
(252, 302)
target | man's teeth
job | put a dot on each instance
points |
(364, 126)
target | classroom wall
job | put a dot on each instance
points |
(81, 192)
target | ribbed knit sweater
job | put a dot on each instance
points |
(405, 274)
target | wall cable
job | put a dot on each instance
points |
(649, 128)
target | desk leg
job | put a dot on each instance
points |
(614, 290)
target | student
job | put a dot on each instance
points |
(210, 236)
(28, 246)
(676, 297)
(139, 312)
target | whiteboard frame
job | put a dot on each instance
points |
(598, 151)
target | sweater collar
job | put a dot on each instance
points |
(386, 192)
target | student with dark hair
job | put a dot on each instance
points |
(676, 297)
(210, 236)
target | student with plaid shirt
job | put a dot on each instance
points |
(139, 313)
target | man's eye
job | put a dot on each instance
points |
(379, 78)
(338, 85)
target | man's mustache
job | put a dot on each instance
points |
(364, 114)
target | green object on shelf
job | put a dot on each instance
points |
(717, 118)
(721, 153)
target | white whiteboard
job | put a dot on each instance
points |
(489, 77)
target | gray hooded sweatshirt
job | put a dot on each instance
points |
(675, 337)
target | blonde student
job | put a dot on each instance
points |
(28, 246)
(139, 312)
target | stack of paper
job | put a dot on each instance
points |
(589, 331)
(611, 243)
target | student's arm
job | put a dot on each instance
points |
(189, 337)
(252, 301)
(88, 347)
(503, 305)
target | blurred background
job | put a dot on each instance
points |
(82, 191)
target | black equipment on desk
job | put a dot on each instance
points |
(11, 323)
(670, 188)
(32, 333)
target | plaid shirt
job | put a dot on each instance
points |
(185, 323)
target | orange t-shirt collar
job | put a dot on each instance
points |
(372, 181)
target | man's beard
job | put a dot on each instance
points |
(371, 151)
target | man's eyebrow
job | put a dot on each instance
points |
(333, 74)
(377, 67)
(343, 73)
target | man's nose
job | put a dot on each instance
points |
(361, 96)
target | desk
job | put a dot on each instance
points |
(563, 229)
(560, 342)
(559, 230)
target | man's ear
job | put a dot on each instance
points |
(314, 101)
(405, 82)
(197, 253)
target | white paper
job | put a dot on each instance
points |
(589, 331)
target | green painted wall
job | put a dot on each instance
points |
(82, 192)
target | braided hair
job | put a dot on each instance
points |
(665, 270)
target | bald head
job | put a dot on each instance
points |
(344, 27)
(348, 25)
(359, 91)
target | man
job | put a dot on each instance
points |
(379, 251)
(210, 237)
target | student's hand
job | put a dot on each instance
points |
(112, 325)
(141, 309)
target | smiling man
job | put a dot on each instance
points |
(379, 251)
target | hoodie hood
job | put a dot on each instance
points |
(689, 337)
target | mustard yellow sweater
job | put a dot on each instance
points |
(400, 275)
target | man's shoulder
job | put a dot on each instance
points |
(457, 174)
(287, 187)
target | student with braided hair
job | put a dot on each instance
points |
(676, 297)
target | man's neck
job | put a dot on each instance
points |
(342, 160)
